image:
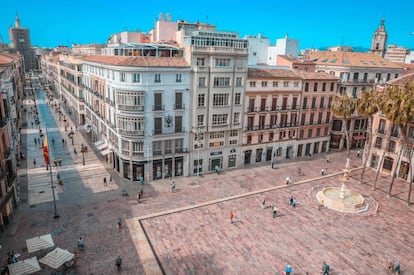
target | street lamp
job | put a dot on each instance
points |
(71, 134)
(47, 159)
(199, 141)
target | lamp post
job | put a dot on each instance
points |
(56, 215)
(199, 140)
(71, 134)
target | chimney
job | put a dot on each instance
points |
(161, 16)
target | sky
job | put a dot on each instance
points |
(316, 24)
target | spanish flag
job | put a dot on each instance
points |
(46, 151)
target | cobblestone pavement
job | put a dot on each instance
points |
(200, 239)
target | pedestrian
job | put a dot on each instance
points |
(274, 211)
(299, 171)
(35, 141)
(63, 141)
(325, 268)
(391, 266)
(53, 142)
(231, 216)
(328, 159)
(118, 263)
(323, 172)
(119, 224)
(138, 197)
(294, 202)
(141, 179)
(397, 268)
(320, 205)
(172, 186)
(291, 200)
(80, 243)
(141, 192)
(288, 270)
(110, 179)
(34, 162)
(105, 184)
(358, 153)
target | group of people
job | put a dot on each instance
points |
(394, 267)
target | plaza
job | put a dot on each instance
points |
(188, 231)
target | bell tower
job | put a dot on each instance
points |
(379, 40)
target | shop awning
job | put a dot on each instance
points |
(358, 137)
(102, 146)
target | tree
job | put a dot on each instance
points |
(343, 106)
(398, 106)
(367, 105)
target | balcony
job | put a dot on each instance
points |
(137, 108)
(158, 107)
(179, 106)
(131, 132)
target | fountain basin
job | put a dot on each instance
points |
(353, 201)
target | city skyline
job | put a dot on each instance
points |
(315, 25)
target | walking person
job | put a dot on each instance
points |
(141, 192)
(138, 197)
(110, 180)
(80, 244)
(323, 172)
(119, 224)
(325, 268)
(118, 263)
(358, 153)
(274, 211)
(105, 183)
(34, 162)
(231, 216)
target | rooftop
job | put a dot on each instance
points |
(402, 80)
(351, 59)
(271, 73)
(137, 61)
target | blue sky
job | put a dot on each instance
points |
(317, 23)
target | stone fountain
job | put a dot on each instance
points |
(341, 198)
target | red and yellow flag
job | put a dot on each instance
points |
(46, 151)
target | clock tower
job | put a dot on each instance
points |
(379, 40)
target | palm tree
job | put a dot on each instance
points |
(367, 106)
(398, 107)
(343, 106)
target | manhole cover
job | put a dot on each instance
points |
(89, 214)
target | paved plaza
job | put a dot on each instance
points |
(188, 231)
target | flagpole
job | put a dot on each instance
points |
(51, 175)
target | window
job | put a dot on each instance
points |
(307, 87)
(200, 120)
(219, 134)
(234, 133)
(394, 131)
(320, 118)
(178, 78)
(122, 77)
(157, 78)
(156, 148)
(221, 81)
(303, 119)
(312, 116)
(158, 102)
(220, 119)
(381, 126)
(262, 120)
(222, 62)
(179, 145)
(328, 117)
(296, 84)
(305, 103)
(301, 134)
(157, 125)
(285, 83)
(239, 82)
(178, 101)
(310, 133)
(178, 124)
(251, 104)
(237, 99)
(378, 142)
(201, 61)
(201, 100)
(330, 102)
(391, 146)
(220, 100)
(135, 78)
(236, 118)
(275, 84)
(216, 144)
(264, 83)
(313, 102)
(271, 136)
(324, 87)
(332, 87)
(322, 102)
(315, 87)
(252, 83)
(201, 82)
(354, 92)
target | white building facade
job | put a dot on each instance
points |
(137, 114)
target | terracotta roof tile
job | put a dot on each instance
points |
(137, 61)
(351, 59)
(316, 75)
(401, 80)
(271, 73)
